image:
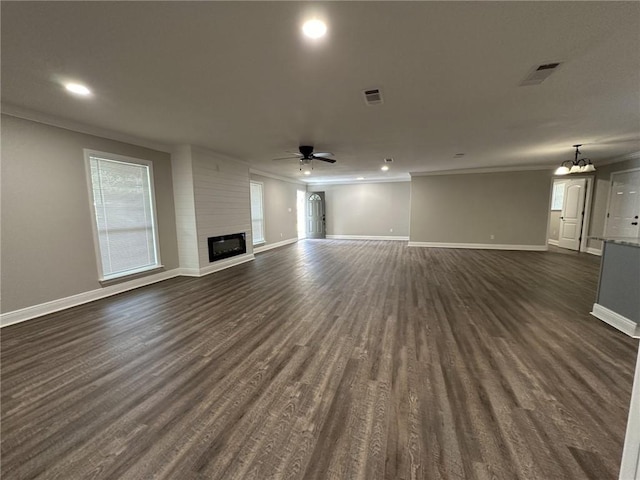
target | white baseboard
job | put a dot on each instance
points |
(227, 263)
(46, 308)
(630, 463)
(594, 251)
(553, 242)
(616, 320)
(28, 313)
(189, 272)
(480, 246)
(269, 246)
(367, 237)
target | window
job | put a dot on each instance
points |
(257, 213)
(557, 198)
(125, 231)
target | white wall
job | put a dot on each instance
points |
(222, 200)
(212, 199)
(184, 199)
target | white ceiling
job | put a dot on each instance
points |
(239, 78)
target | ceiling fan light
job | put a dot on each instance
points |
(78, 89)
(561, 170)
(314, 28)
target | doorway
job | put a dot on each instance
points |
(623, 208)
(315, 221)
(570, 212)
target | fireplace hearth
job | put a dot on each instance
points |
(226, 246)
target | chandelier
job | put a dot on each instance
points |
(576, 165)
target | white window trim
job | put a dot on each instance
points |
(264, 227)
(152, 197)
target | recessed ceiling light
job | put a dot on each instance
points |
(307, 172)
(360, 178)
(314, 28)
(384, 168)
(77, 89)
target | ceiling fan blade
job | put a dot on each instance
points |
(328, 160)
(292, 157)
(323, 154)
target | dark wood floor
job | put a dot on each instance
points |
(327, 360)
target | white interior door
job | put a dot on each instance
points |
(624, 205)
(572, 214)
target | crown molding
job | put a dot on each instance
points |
(218, 155)
(359, 182)
(55, 121)
(466, 171)
(621, 158)
(276, 177)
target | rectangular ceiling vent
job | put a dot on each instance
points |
(539, 74)
(373, 96)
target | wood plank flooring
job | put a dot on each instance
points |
(327, 360)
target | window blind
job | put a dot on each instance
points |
(124, 216)
(257, 213)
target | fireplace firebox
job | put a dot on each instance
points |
(226, 246)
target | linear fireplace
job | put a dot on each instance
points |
(226, 246)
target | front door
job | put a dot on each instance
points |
(624, 205)
(315, 215)
(572, 214)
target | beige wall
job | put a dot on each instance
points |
(367, 209)
(280, 200)
(48, 250)
(469, 208)
(601, 197)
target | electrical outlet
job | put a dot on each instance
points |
(281, 235)
(391, 230)
(492, 236)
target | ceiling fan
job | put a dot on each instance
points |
(307, 155)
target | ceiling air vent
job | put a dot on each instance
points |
(539, 73)
(373, 96)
